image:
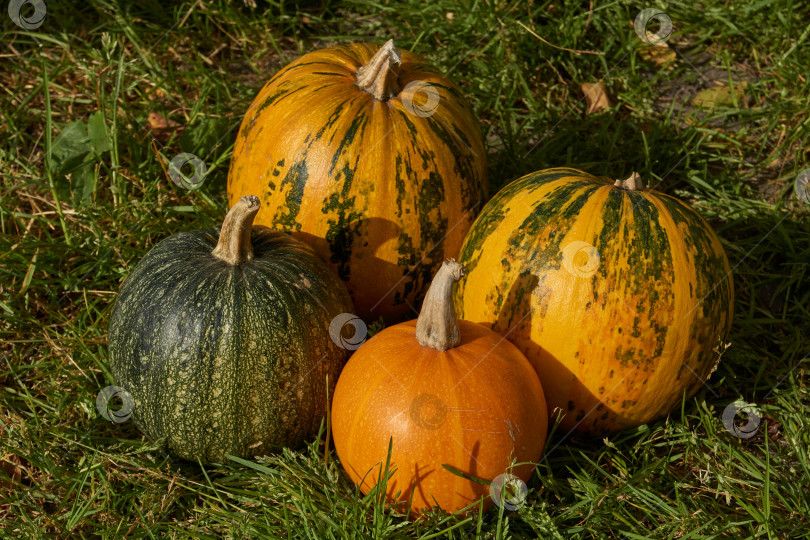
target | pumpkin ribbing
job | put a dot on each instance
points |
(227, 357)
(383, 190)
(617, 296)
(474, 406)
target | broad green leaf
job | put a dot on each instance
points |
(70, 147)
(75, 154)
(97, 133)
(83, 183)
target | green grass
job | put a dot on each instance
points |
(66, 244)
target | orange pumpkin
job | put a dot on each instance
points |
(618, 295)
(445, 391)
(375, 160)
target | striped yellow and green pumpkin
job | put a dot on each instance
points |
(224, 344)
(383, 175)
(618, 295)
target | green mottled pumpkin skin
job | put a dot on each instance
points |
(382, 193)
(224, 359)
(618, 298)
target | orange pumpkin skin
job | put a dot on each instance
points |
(618, 297)
(383, 190)
(471, 407)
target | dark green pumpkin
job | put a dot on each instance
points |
(226, 350)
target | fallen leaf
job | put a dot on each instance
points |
(157, 93)
(160, 128)
(660, 54)
(596, 95)
(774, 428)
(10, 465)
(721, 96)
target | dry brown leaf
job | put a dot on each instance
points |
(160, 128)
(596, 95)
(10, 465)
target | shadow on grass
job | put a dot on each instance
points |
(611, 143)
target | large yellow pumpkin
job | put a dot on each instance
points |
(444, 392)
(618, 295)
(371, 156)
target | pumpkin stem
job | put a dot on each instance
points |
(437, 325)
(379, 76)
(234, 246)
(631, 184)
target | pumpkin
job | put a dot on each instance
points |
(222, 338)
(373, 158)
(444, 392)
(618, 295)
